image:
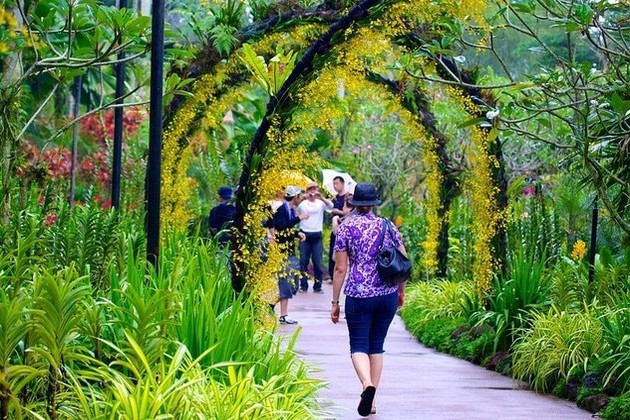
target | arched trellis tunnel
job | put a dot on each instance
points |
(351, 29)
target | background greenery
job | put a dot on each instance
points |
(88, 329)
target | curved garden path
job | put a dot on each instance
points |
(418, 382)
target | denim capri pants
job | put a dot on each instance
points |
(368, 321)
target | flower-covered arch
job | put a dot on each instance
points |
(352, 49)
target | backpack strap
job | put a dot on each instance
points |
(390, 230)
(381, 236)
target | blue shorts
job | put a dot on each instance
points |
(285, 291)
(287, 282)
(368, 321)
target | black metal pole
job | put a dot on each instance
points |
(75, 140)
(155, 133)
(118, 124)
(591, 255)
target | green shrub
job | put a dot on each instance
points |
(437, 333)
(618, 408)
(474, 348)
(557, 345)
(560, 388)
(570, 285)
(513, 299)
(434, 311)
(128, 340)
(585, 392)
(437, 299)
(616, 334)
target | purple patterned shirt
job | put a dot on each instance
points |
(358, 236)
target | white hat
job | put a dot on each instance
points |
(292, 191)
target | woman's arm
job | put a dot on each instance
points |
(336, 220)
(401, 286)
(339, 276)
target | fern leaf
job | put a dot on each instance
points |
(223, 38)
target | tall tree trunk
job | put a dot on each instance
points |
(9, 120)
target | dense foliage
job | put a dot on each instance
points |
(544, 322)
(490, 128)
(88, 329)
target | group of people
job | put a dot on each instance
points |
(300, 214)
(358, 236)
(296, 214)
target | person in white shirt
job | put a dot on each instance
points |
(312, 249)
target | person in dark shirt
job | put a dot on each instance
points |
(284, 233)
(222, 216)
(339, 184)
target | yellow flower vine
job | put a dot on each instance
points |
(177, 188)
(9, 22)
(432, 205)
(366, 47)
(405, 15)
(370, 48)
(282, 166)
(481, 191)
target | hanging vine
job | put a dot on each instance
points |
(483, 191)
(441, 183)
(211, 97)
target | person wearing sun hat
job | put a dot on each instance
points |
(222, 216)
(283, 224)
(312, 249)
(370, 304)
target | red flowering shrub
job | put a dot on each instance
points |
(87, 167)
(93, 169)
(101, 126)
(50, 219)
(58, 162)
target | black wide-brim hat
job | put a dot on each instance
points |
(365, 195)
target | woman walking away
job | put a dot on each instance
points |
(370, 304)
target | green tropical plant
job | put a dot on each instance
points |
(117, 337)
(569, 285)
(437, 299)
(56, 314)
(514, 299)
(534, 229)
(555, 346)
(13, 375)
(616, 334)
(269, 76)
(617, 409)
(461, 251)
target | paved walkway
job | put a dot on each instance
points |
(418, 382)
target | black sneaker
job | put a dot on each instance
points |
(287, 320)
